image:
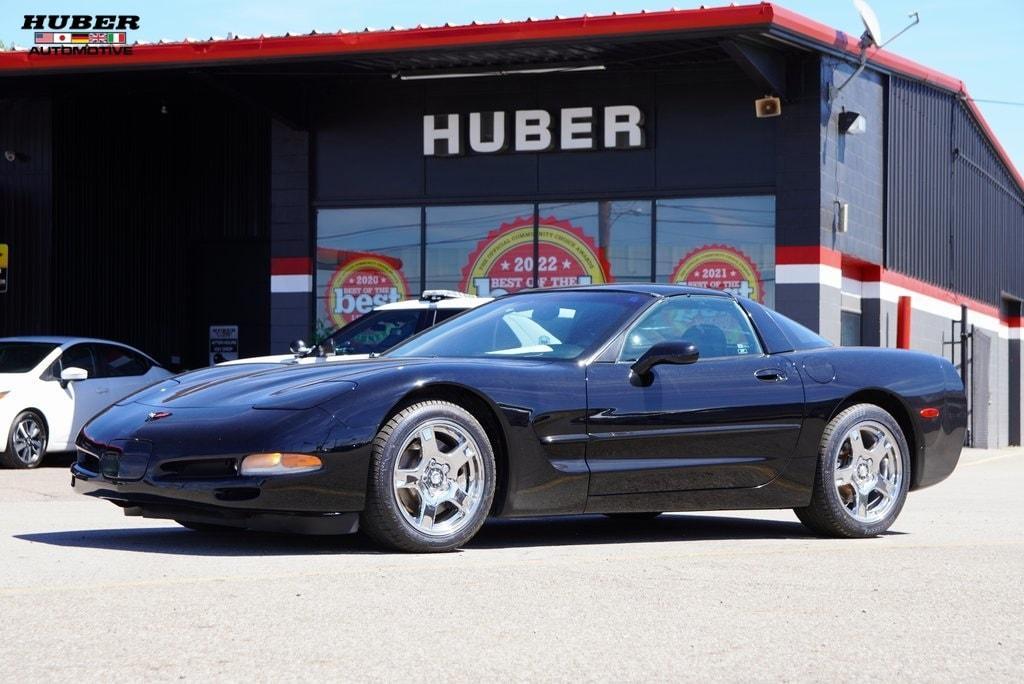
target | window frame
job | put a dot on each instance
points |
(620, 343)
(534, 199)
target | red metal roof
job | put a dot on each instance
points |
(764, 17)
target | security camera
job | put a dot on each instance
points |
(10, 155)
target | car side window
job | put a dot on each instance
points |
(78, 356)
(716, 325)
(118, 362)
(445, 314)
(378, 331)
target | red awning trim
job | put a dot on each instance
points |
(764, 16)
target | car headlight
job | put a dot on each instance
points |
(4, 393)
(276, 463)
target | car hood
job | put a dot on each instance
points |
(290, 360)
(262, 386)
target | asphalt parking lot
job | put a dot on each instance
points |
(87, 594)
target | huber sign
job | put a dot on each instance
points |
(534, 130)
(502, 262)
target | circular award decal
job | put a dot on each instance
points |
(360, 285)
(502, 262)
(720, 267)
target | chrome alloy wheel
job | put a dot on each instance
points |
(439, 478)
(28, 440)
(868, 472)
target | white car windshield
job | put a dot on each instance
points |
(557, 324)
(21, 357)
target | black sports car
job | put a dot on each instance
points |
(626, 400)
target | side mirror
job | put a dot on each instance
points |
(298, 347)
(677, 353)
(72, 374)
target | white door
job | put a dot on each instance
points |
(124, 370)
(70, 406)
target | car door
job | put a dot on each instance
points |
(124, 370)
(71, 404)
(731, 419)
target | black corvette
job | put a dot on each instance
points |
(626, 400)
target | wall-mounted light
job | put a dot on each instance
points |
(767, 106)
(852, 123)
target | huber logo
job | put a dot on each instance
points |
(81, 34)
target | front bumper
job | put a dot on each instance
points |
(244, 503)
(185, 467)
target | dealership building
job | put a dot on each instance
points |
(286, 184)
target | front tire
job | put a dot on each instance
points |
(26, 442)
(431, 480)
(863, 475)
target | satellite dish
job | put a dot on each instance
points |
(872, 29)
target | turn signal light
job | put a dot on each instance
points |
(929, 413)
(276, 463)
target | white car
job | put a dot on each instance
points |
(51, 386)
(378, 330)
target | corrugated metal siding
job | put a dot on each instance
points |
(141, 200)
(955, 218)
(25, 222)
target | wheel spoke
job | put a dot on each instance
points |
(428, 511)
(861, 503)
(428, 445)
(857, 445)
(844, 475)
(461, 500)
(884, 487)
(407, 478)
(458, 457)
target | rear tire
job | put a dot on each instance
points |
(26, 441)
(863, 475)
(431, 482)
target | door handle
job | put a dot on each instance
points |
(102, 390)
(770, 375)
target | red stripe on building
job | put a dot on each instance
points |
(291, 266)
(812, 254)
(863, 271)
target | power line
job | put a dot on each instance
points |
(1001, 102)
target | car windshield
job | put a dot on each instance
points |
(21, 357)
(376, 331)
(550, 325)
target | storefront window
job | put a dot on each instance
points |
(365, 258)
(723, 243)
(483, 250)
(594, 242)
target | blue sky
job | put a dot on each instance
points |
(979, 42)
